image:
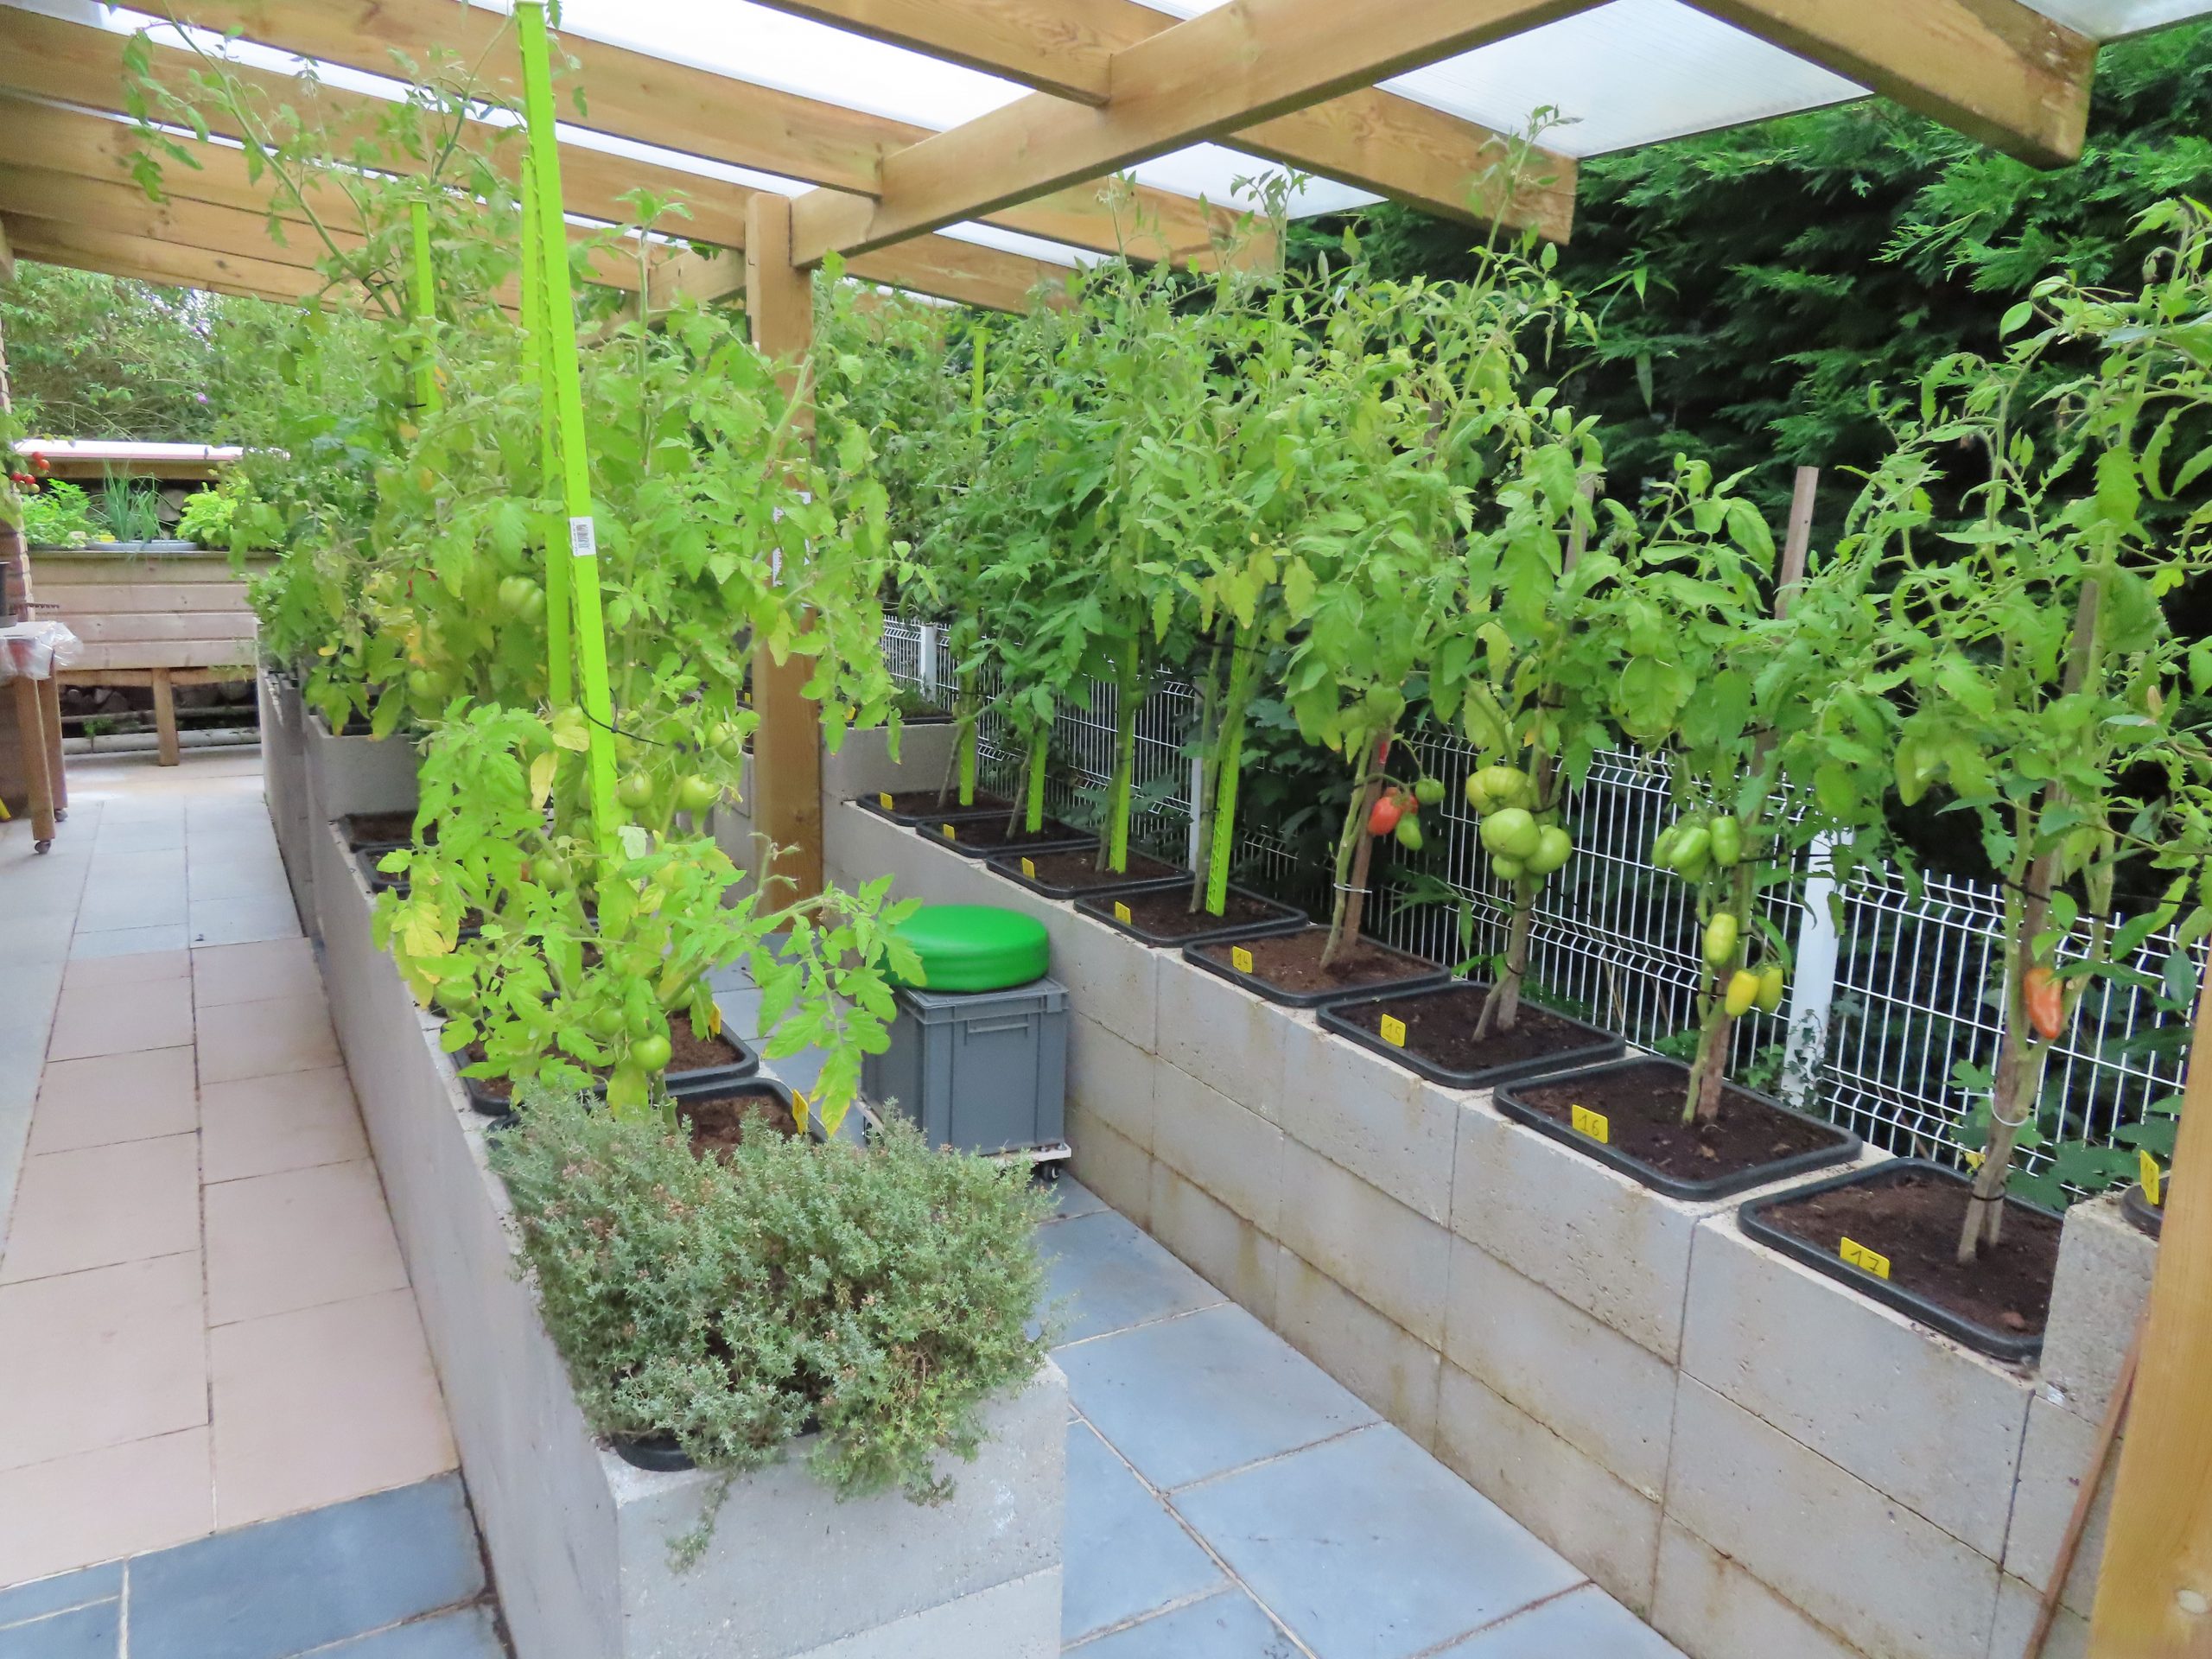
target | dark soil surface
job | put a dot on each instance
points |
(1441, 1029)
(692, 1053)
(1167, 913)
(381, 828)
(993, 833)
(1080, 869)
(1292, 961)
(490, 1087)
(719, 1122)
(1914, 1218)
(926, 801)
(1643, 1105)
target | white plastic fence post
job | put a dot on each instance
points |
(928, 648)
(1198, 794)
(1812, 986)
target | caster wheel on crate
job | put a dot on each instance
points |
(62, 815)
(42, 845)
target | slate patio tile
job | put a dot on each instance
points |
(1124, 1555)
(1368, 1548)
(467, 1633)
(1109, 1276)
(93, 1632)
(1588, 1621)
(1071, 1199)
(1200, 1395)
(1226, 1626)
(64, 1590)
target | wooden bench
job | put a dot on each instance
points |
(159, 615)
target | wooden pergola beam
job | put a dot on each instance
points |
(162, 262)
(989, 278)
(7, 256)
(1248, 62)
(1370, 138)
(1993, 69)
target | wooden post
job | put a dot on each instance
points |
(787, 744)
(165, 716)
(2154, 1597)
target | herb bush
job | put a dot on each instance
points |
(59, 515)
(883, 1293)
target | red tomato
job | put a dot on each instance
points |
(1384, 818)
(2046, 1002)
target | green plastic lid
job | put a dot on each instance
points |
(974, 947)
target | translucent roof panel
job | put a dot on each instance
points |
(2103, 20)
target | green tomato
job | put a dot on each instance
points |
(1429, 791)
(1506, 785)
(1770, 988)
(424, 686)
(635, 791)
(1409, 833)
(1477, 798)
(696, 794)
(650, 1054)
(1507, 870)
(1554, 848)
(1720, 936)
(1512, 833)
(1726, 841)
(1692, 848)
(605, 1023)
(726, 740)
(516, 594)
(552, 872)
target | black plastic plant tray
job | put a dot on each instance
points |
(1982, 1338)
(1009, 866)
(1343, 1018)
(950, 813)
(1195, 954)
(1100, 908)
(1058, 837)
(711, 1080)
(1721, 1187)
(380, 881)
(2146, 1216)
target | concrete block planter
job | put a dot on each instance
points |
(578, 1539)
(1369, 1116)
(2096, 1301)
(283, 770)
(864, 765)
(1366, 1020)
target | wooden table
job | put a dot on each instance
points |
(32, 777)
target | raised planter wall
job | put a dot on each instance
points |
(578, 1539)
(283, 780)
(1755, 1457)
(341, 776)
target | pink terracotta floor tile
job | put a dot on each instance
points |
(129, 1202)
(113, 1097)
(223, 974)
(325, 1404)
(111, 971)
(256, 1040)
(298, 1239)
(112, 1019)
(95, 1506)
(295, 1120)
(101, 1358)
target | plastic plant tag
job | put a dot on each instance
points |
(1394, 1031)
(1866, 1260)
(2152, 1177)
(951, 834)
(1029, 869)
(1596, 1125)
(583, 538)
(883, 799)
(1240, 958)
(1121, 912)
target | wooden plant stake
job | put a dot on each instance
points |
(2069, 1545)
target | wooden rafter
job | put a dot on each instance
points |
(681, 107)
(7, 256)
(1993, 69)
(1248, 61)
(986, 278)
(165, 263)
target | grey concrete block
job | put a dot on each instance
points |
(1018, 1620)
(347, 775)
(2097, 1302)
(1372, 1118)
(2054, 1462)
(1385, 1366)
(1911, 1413)
(2018, 1604)
(1110, 1165)
(863, 763)
(285, 783)
(1231, 1254)
(1849, 1558)
(1392, 1259)
(1610, 1399)
(1112, 1079)
(1607, 1529)
(1235, 1155)
(1227, 1039)
(1710, 1607)
(1111, 978)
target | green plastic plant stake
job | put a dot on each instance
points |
(568, 385)
(559, 677)
(1228, 765)
(426, 306)
(969, 714)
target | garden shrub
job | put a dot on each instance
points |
(59, 515)
(883, 1292)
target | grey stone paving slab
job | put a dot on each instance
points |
(273, 1590)
(1071, 1199)
(43, 1596)
(464, 1635)
(1124, 1554)
(1588, 1622)
(1226, 1626)
(1367, 1548)
(1205, 1394)
(1112, 1277)
(93, 1632)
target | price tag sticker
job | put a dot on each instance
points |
(583, 538)
(1394, 1031)
(951, 834)
(2152, 1177)
(883, 800)
(1121, 911)
(1864, 1259)
(1029, 869)
(1596, 1125)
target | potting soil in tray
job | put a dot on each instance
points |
(1165, 912)
(688, 1051)
(1439, 1027)
(991, 835)
(1291, 963)
(383, 829)
(920, 804)
(718, 1122)
(1913, 1217)
(1063, 875)
(1642, 1108)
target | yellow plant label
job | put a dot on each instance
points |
(1866, 1260)
(1394, 1031)
(883, 800)
(1240, 958)
(1029, 869)
(1121, 911)
(2152, 1177)
(1596, 1125)
(951, 834)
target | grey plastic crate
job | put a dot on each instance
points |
(982, 1072)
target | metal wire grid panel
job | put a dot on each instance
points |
(1893, 989)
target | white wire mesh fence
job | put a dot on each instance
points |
(1896, 986)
